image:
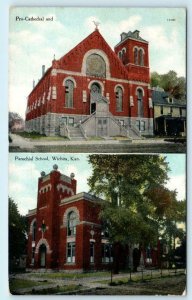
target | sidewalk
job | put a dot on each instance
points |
(86, 282)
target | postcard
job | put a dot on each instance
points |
(97, 151)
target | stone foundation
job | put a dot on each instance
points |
(49, 124)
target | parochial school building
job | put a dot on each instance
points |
(65, 231)
(95, 91)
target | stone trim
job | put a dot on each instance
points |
(90, 223)
(32, 212)
(45, 242)
(80, 196)
(64, 188)
(83, 75)
(119, 85)
(43, 207)
(71, 239)
(70, 78)
(69, 210)
(139, 48)
(31, 225)
(140, 87)
(45, 188)
(102, 54)
(99, 82)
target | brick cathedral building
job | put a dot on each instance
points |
(65, 231)
(95, 91)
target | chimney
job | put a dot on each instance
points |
(33, 83)
(43, 70)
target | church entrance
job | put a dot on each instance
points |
(102, 127)
(95, 94)
(42, 256)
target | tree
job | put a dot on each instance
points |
(13, 117)
(136, 198)
(17, 232)
(171, 83)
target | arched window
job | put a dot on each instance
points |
(119, 98)
(95, 66)
(141, 59)
(140, 102)
(136, 56)
(69, 88)
(120, 55)
(123, 55)
(34, 230)
(71, 223)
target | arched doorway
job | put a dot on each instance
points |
(42, 256)
(95, 93)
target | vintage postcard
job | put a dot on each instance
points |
(97, 80)
(97, 151)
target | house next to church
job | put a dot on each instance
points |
(66, 233)
(95, 91)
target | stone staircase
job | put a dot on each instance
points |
(75, 133)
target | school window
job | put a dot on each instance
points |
(92, 252)
(69, 91)
(180, 112)
(107, 255)
(71, 252)
(171, 110)
(71, 223)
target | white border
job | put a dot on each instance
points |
(4, 19)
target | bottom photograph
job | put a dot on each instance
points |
(93, 224)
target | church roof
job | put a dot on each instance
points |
(131, 35)
(93, 41)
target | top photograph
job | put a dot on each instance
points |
(97, 80)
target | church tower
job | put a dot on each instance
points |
(132, 50)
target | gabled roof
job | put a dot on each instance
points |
(162, 98)
(96, 39)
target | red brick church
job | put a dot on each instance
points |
(65, 231)
(95, 91)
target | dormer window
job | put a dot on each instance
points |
(170, 100)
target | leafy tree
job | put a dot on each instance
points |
(171, 83)
(13, 116)
(17, 231)
(137, 202)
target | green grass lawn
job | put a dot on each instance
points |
(69, 275)
(15, 284)
(37, 136)
(56, 290)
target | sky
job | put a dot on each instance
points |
(34, 43)
(24, 174)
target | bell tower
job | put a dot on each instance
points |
(132, 50)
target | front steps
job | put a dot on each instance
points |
(75, 134)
